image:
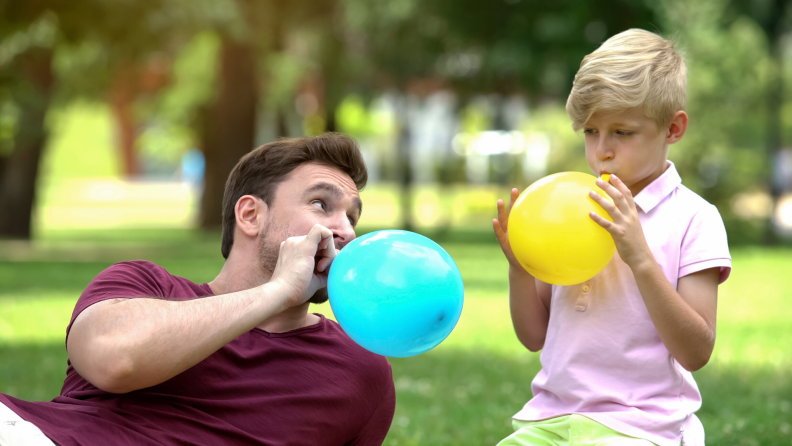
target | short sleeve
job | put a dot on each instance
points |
(123, 280)
(378, 425)
(705, 245)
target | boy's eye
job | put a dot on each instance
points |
(590, 131)
(623, 133)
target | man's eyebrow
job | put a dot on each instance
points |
(335, 191)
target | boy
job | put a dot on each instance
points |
(618, 350)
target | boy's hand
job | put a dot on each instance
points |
(626, 227)
(500, 225)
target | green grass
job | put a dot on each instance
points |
(462, 392)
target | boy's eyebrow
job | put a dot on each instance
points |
(615, 124)
(335, 191)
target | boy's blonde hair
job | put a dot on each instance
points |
(635, 68)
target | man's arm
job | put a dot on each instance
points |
(378, 425)
(121, 345)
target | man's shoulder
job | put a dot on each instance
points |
(145, 279)
(363, 357)
(137, 266)
(137, 271)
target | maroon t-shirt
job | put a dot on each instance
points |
(310, 386)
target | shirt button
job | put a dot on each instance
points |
(586, 288)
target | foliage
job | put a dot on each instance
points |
(723, 152)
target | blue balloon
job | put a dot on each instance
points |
(396, 293)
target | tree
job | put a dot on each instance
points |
(35, 34)
(471, 47)
(775, 19)
(28, 35)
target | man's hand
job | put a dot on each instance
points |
(303, 264)
(626, 227)
(500, 225)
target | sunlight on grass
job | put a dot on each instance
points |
(462, 392)
(35, 320)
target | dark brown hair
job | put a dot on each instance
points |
(261, 171)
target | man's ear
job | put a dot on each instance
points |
(250, 214)
(677, 127)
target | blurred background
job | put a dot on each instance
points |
(120, 121)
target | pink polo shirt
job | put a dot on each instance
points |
(603, 357)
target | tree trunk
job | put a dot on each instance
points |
(775, 102)
(20, 170)
(229, 125)
(405, 169)
(122, 99)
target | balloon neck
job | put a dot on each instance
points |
(605, 177)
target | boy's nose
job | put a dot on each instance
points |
(603, 151)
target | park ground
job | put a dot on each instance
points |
(462, 392)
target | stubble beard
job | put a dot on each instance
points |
(269, 247)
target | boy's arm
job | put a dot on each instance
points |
(685, 319)
(529, 298)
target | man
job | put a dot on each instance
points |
(157, 359)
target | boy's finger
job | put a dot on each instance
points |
(514, 194)
(615, 194)
(604, 222)
(503, 217)
(498, 230)
(608, 205)
(503, 240)
(619, 184)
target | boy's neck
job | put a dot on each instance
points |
(638, 186)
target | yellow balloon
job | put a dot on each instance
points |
(551, 233)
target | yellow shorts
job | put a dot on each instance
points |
(569, 430)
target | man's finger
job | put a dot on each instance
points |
(328, 254)
(318, 233)
(324, 263)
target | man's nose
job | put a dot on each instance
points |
(343, 231)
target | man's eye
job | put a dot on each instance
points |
(318, 203)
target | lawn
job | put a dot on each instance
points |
(462, 392)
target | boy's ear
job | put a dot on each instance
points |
(677, 127)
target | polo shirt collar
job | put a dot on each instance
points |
(658, 189)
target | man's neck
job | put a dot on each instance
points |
(238, 274)
(291, 319)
